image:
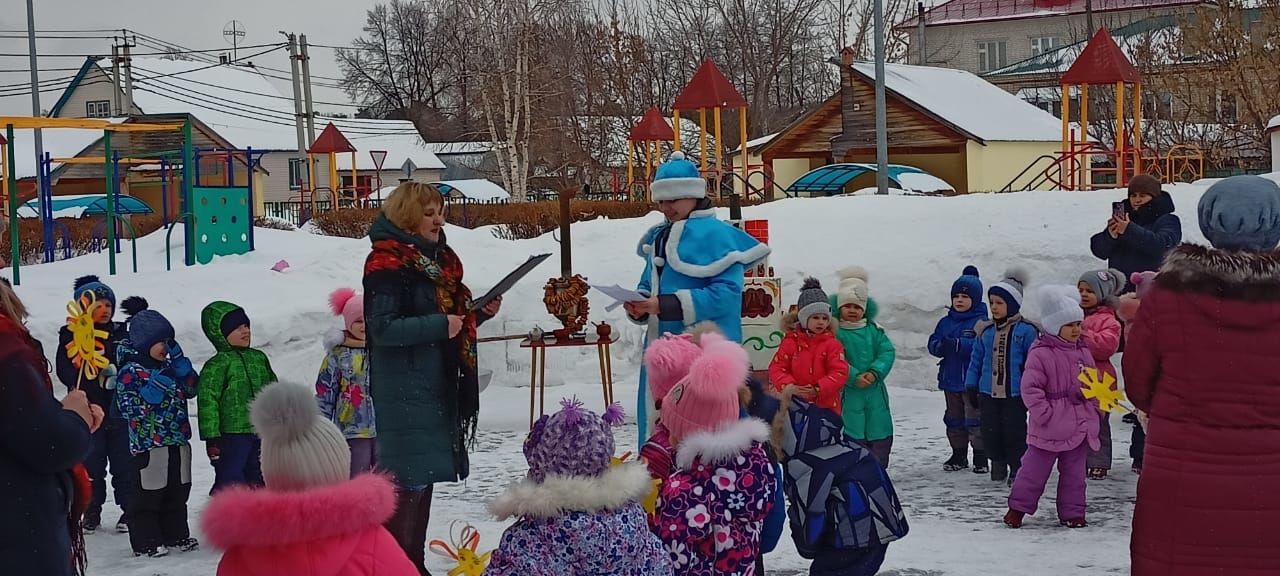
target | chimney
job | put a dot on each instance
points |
(841, 144)
(223, 59)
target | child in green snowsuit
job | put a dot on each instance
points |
(870, 354)
(229, 382)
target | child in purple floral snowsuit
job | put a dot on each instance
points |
(711, 511)
(578, 514)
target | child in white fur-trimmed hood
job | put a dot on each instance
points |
(577, 513)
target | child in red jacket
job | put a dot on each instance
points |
(810, 358)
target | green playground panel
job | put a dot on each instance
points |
(221, 222)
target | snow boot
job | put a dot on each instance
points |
(1013, 518)
(156, 552)
(1075, 523)
(980, 462)
(1097, 474)
(999, 471)
(956, 463)
(91, 522)
(184, 545)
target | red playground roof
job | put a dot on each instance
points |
(709, 89)
(966, 11)
(331, 140)
(1101, 62)
(652, 128)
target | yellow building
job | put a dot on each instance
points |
(950, 123)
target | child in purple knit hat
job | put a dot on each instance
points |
(578, 514)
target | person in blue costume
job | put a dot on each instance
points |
(693, 266)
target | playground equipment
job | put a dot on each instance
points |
(709, 90)
(650, 133)
(1102, 63)
(330, 142)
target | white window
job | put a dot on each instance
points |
(98, 109)
(297, 172)
(991, 56)
(1043, 44)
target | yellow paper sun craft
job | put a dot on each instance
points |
(86, 349)
(463, 551)
(1102, 389)
(650, 502)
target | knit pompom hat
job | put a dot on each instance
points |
(146, 326)
(572, 442)
(92, 284)
(1011, 289)
(812, 302)
(853, 287)
(707, 398)
(1106, 284)
(300, 447)
(1142, 282)
(677, 179)
(667, 360)
(1241, 213)
(968, 284)
(348, 304)
(1059, 306)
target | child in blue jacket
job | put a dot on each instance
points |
(952, 341)
(995, 371)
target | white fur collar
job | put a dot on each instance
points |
(618, 486)
(722, 445)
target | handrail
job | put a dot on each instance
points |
(186, 218)
(1055, 161)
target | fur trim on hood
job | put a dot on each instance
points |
(618, 486)
(722, 445)
(1225, 274)
(260, 518)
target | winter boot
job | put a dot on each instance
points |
(184, 545)
(91, 522)
(999, 471)
(1075, 523)
(980, 462)
(1013, 518)
(403, 524)
(956, 463)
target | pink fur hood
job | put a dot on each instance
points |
(259, 518)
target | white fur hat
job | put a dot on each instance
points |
(300, 447)
(1059, 306)
(853, 287)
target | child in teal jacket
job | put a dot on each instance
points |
(865, 399)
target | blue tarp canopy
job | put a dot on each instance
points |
(83, 205)
(831, 179)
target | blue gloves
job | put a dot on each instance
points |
(157, 387)
(175, 351)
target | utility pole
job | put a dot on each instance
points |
(1088, 15)
(297, 110)
(306, 90)
(882, 129)
(128, 75)
(115, 77)
(35, 106)
(924, 59)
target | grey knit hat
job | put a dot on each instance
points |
(812, 301)
(300, 447)
(1106, 284)
(1241, 213)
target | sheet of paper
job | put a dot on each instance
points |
(620, 295)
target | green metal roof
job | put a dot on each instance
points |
(1057, 61)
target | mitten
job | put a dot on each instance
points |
(212, 449)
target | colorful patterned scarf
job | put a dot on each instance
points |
(453, 298)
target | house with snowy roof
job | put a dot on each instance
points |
(949, 123)
(246, 109)
(982, 36)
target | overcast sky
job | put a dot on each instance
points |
(195, 24)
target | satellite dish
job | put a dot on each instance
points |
(234, 32)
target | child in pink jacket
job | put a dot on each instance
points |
(1099, 293)
(1062, 426)
(311, 519)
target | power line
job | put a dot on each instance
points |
(173, 52)
(275, 121)
(250, 92)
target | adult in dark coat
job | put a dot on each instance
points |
(422, 356)
(1138, 240)
(42, 443)
(1202, 363)
(111, 442)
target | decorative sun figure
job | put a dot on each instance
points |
(1101, 388)
(86, 349)
(463, 551)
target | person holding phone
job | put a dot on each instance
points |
(1141, 230)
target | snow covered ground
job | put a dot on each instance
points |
(913, 247)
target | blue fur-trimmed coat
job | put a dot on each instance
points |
(575, 525)
(696, 268)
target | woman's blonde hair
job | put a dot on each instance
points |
(409, 201)
(10, 304)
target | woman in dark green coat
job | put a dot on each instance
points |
(422, 356)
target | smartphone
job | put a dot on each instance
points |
(1117, 209)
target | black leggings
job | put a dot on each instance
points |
(1004, 429)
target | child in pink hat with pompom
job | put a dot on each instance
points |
(342, 388)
